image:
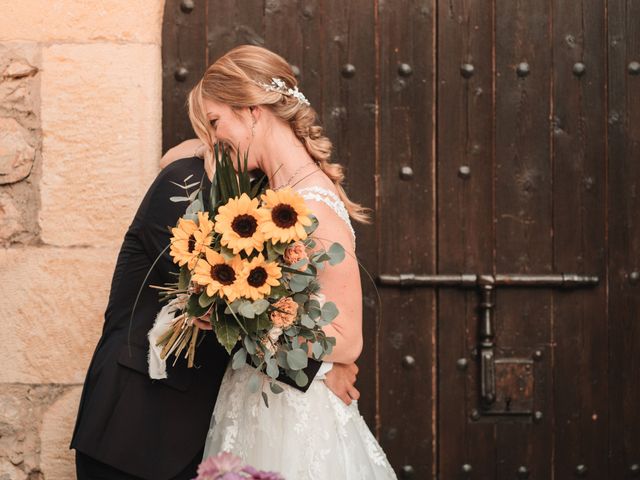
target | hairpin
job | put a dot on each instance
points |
(278, 85)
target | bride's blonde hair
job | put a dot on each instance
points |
(232, 80)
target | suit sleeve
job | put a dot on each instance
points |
(158, 215)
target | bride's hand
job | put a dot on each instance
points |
(341, 381)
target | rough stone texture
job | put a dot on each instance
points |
(80, 137)
(17, 154)
(19, 82)
(21, 415)
(101, 119)
(56, 460)
(138, 21)
(52, 311)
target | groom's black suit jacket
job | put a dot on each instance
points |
(148, 428)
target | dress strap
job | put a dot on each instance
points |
(330, 198)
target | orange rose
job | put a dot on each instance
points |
(294, 253)
(286, 313)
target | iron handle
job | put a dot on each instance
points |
(564, 280)
(486, 285)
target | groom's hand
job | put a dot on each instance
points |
(341, 380)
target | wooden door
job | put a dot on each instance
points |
(499, 143)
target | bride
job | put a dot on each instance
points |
(248, 100)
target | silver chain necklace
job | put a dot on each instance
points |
(294, 174)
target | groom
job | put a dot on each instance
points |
(130, 427)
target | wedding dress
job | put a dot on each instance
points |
(308, 435)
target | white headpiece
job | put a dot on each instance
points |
(278, 85)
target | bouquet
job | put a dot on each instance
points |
(249, 267)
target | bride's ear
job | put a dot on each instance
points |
(255, 111)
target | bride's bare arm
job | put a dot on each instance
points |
(340, 284)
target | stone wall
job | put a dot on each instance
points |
(80, 140)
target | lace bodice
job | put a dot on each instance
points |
(328, 197)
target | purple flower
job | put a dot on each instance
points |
(226, 466)
(260, 475)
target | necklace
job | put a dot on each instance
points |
(294, 174)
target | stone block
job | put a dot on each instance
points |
(17, 152)
(137, 21)
(57, 462)
(101, 123)
(52, 311)
(19, 68)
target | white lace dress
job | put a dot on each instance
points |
(308, 435)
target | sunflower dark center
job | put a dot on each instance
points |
(192, 243)
(257, 277)
(244, 225)
(223, 274)
(284, 216)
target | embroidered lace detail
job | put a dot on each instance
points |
(308, 435)
(328, 197)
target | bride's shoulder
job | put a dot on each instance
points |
(333, 217)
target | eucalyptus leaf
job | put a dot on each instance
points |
(227, 253)
(275, 388)
(317, 350)
(265, 399)
(254, 383)
(260, 306)
(314, 224)
(297, 359)
(329, 311)
(336, 252)
(246, 309)
(306, 321)
(178, 199)
(249, 344)
(299, 282)
(272, 368)
(281, 358)
(301, 378)
(239, 359)
(195, 206)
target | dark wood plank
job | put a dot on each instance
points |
(407, 232)
(465, 237)
(523, 223)
(231, 23)
(183, 46)
(580, 334)
(349, 120)
(623, 205)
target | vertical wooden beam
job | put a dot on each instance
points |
(623, 210)
(407, 235)
(523, 218)
(183, 63)
(465, 219)
(579, 342)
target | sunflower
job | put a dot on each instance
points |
(190, 239)
(259, 276)
(238, 222)
(220, 276)
(284, 216)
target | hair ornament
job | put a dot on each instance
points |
(278, 85)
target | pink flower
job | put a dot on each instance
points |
(214, 468)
